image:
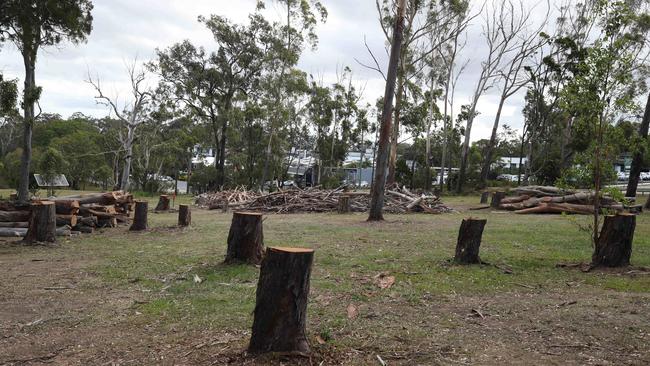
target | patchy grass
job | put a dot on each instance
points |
(142, 285)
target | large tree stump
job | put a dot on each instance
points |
(280, 314)
(246, 238)
(42, 223)
(484, 197)
(163, 203)
(614, 246)
(344, 204)
(184, 215)
(469, 241)
(496, 198)
(140, 216)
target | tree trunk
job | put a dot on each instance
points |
(469, 241)
(246, 238)
(379, 181)
(614, 245)
(126, 170)
(344, 204)
(637, 160)
(19, 224)
(496, 199)
(392, 162)
(140, 216)
(163, 203)
(280, 314)
(29, 98)
(184, 215)
(42, 223)
(464, 158)
(484, 197)
(489, 150)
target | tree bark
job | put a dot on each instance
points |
(496, 199)
(246, 238)
(14, 216)
(344, 204)
(19, 224)
(163, 203)
(184, 215)
(489, 150)
(140, 216)
(392, 162)
(614, 245)
(42, 223)
(280, 314)
(637, 160)
(29, 98)
(469, 241)
(484, 197)
(379, 181)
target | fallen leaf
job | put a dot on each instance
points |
(353, 311)
(383, 280)
(197, 279)
(320, 340)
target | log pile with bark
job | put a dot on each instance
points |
(544, 199)
(74, 214)
(397, 201)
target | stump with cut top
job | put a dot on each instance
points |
(163, 203)
(280, 314)
(42, 223)
(614, 245)
(496, 198)
(344, 204)
(469, 241)
(245, 239)
(140, 216)
(484, 197)
(184, 215)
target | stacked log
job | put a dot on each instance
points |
(541, 199)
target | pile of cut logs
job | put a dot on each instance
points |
(542, 199)
(397, 200)
(74, 214)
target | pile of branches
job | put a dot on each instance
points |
(74, 214)
(397, 201)
(543, 199)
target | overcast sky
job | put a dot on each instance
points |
(124, 29)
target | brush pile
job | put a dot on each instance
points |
(397, 201)
(74, 214)
(542, 199)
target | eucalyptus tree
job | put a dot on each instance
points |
(8, 114)
(31, 25)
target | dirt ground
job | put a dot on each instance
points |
(58, 307)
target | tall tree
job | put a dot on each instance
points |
(379, 181)
(637, 160)
(30, 25)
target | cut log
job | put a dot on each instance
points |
(516, 199)
(496, 198)
(280, 314)
(14, 216)
(22, 232)
(70, 220)
(67, 207)
(184, 215)
(84, 229)
(21, 224)
(87, 221)
(484, 197)
(344, 204)
(245, 239)
(42, 223)
(614, 245)
(140, 216)
(469, 241)
(555, 208)
(163, 203)
(108, 198)
(107, 222)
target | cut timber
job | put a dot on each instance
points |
(14, 216)
(140, 216)
(87, 221)
(22, 224)
(108, 198)
(67, 207)
(469, 241)
(344, 204)
(184, 215)
(558, 208)
(484, 197)
(280, 314)
(516, 199)
(22, 232)
(614, 246)
(42, 223)
(246, 238)
(163, 203)
(107, 222)
(70, 220)
(496, 198)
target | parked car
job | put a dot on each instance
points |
(623, 176)
(645, 175)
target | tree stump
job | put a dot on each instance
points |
(140, 216)
(469, 241)
(163, 203)
(344, 204)
(246, 238)
(484, 197)
(280, 314)
(42, 223)
(496, 199)
(184, 215)
(614, 246)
